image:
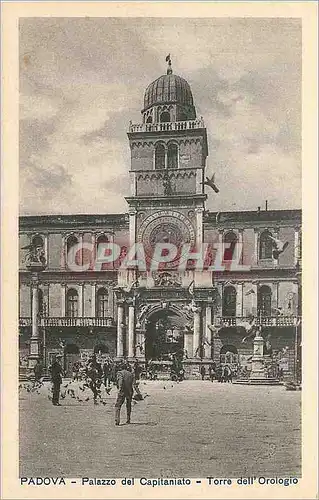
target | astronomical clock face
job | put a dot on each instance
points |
(165, 227)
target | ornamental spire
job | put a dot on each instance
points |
(169, 67)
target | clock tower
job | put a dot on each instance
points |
(168, 159)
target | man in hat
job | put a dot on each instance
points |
(56, 378)
(125, 383)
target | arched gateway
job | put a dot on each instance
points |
(164, 330)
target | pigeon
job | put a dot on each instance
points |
(87, 399)
(211, 183)
(279, 246)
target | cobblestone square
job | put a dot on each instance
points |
(188, 429)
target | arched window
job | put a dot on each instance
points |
(149, 120)
(102, 303)
(182, 117)
(172, 156)
(100, 240)
(230, 240)
(72, 303)
(265, 246)
(165, 117)
(38, 241)
(159, 156)
(264, 301)
(229, 301)
(71, 242)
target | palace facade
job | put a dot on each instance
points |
(151, 314)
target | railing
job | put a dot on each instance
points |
(263, 321)
(221, 321)
(24, 321)
(108, 321)
(168, 126)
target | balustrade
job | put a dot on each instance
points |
(167, 126)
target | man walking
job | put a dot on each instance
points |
(56, 378)
(125, 382)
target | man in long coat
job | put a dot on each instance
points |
(56, 379)
(125, 383)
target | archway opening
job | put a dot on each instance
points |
(165, 117)
(164, 336)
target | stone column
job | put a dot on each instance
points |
(120, 330)
(132, 223)
(93, 299)
(131, 330)
(196, 335)
(199, 227)
(297, 245)
(240, 247)
(239, 300)
(63, 296)
(208, 333)
(81, 300)
(34, 354)
(255, 257)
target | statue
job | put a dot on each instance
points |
(35, 255)
(168, 190)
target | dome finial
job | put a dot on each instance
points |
(169, 68)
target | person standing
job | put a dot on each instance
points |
(202, 372)
(137, 370)
(94, 373)
(56, 378)
(125, 383)
(107, 373)
(38, 369)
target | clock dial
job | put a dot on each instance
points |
(166, 227)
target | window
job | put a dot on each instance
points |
(71, 242)
(159, 156)
(72, 303)
(230, 240)
(149, 120)
(265, 246)
(172, 156)
(264, 301)
(102, 303)
(100, 240)
(37, 241)
(165, 117)
(229, 301)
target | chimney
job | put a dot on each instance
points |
(266, 205)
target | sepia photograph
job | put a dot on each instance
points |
(160, 229)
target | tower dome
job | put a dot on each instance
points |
(168, 89)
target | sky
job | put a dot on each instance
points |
(83, 79)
